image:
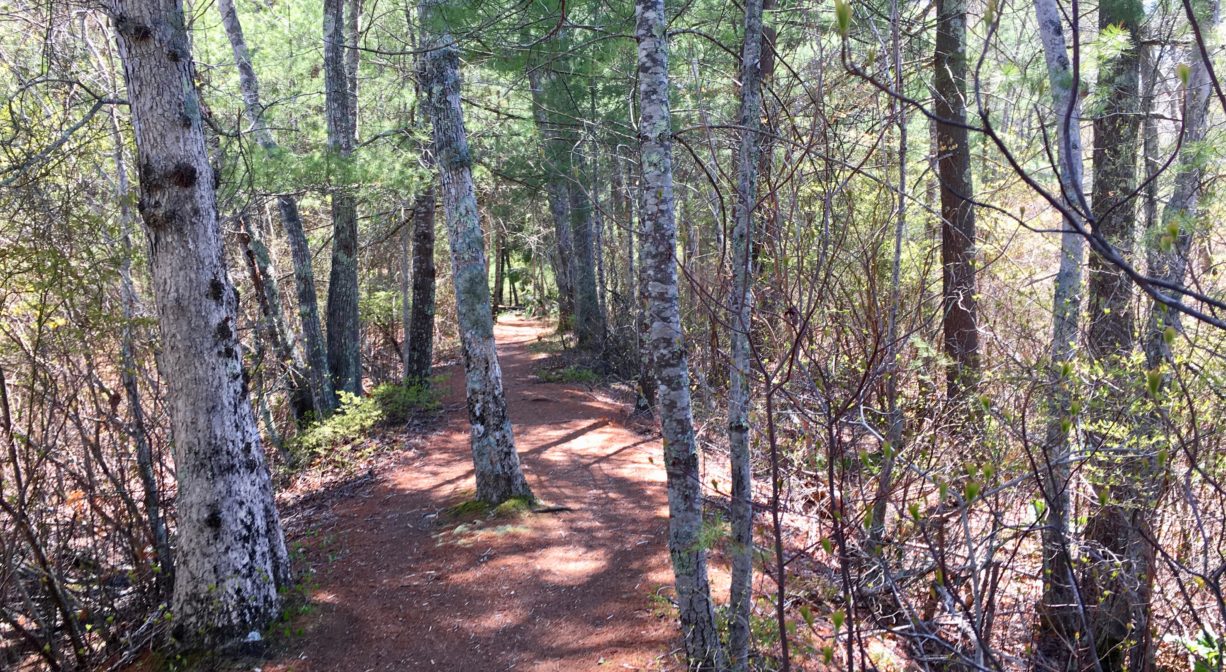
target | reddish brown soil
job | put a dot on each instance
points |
(399, 587)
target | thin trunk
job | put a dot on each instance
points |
(1168, 256)
(506, 262)
(960, 319)
(268, 294)
(344, 327)
(689, 558)
(1059, 615)
(558, 195)
(499, 277)
(589, 321)
(231, 553)
(894, 416)
(140, 432)
(323, 397)
(353, 32)
(749, 119)
(1149, 136)
(493, 445)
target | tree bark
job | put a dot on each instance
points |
(689, 558)
(1059, 615)
(493, 445)
(420, 336)
(268, 293)
(1168, 258)
(960, 319)
(1116, 131)
(1119, 576)
(344, 327)
(557, 193)
(140, 433)
(323, 397)
(589, 322)
(231, 553)
(749, 119)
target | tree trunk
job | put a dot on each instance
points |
(353, 20)
(231, 554)
(323, 397)
(557, 193)
(1168, 258)
(1119, 580)
(689, 558)
(589, 323)
(647, 385)
(268, 293)
(894, 414)
(960, 319)
(499, 271)
(406, 288)
(1060, 617)
(1116, 128)
(493, 445)
(420, 336)
(749, 119)
(344, 327)
(140, 433)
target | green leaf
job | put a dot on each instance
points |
(842, 16)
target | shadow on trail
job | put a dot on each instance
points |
(398, 589)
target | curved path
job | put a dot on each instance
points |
(396, 589)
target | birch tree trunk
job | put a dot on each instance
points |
(344, 328)
(1059, 614)
(960, 319)
(319, 380)
(689, 558)
(231, 553)
(749, 119)
(499, 476)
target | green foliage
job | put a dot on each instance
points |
(400, 402)
(352, 420)
(569, 374)
(1206, 653)
(390, 403)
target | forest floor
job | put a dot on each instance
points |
(399, 575)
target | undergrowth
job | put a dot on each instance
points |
(569, 374)
(388, 404)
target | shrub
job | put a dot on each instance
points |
(399, 402)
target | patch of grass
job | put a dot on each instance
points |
(570, 374)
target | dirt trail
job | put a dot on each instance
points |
(398, 590)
